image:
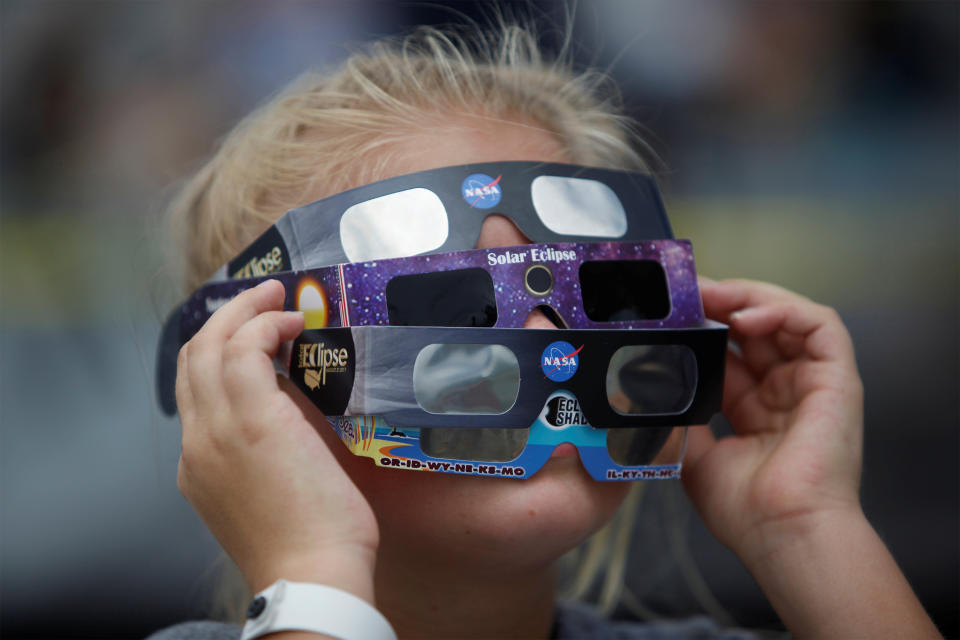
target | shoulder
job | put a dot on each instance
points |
(575, 621)
(202, 630)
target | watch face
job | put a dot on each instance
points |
(257, 605)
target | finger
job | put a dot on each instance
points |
(182, 482)
(780, 390)
(248, 304)
(720, 299)
(759, 353)
(745, 406)
(206, 347)
(723, 300)
(791, 346)
(184, 394)
(699, 440)
(819, 328)
(813, 377)
(785, 388)
(248, 373)
(738, 381)
(752, 416)
(191, 428)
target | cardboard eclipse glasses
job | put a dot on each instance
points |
(502, 378)
(595, 285)
(442, 210)
(435, 211)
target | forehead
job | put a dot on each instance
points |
(450, 141)
(468, 139)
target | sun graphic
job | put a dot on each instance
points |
(312, 300)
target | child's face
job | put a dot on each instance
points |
(494, 523)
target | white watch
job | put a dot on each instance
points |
(301, 606)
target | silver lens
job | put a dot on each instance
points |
(482, 445)
(578, 207)
(652, 379)
(396, 225)
(466, 378)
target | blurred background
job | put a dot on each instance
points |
(812, 144)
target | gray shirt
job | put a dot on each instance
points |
(573, 622)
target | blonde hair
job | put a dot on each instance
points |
(339, 126)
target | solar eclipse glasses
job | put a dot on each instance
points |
(423, 376)
(443, 210)
(514, 394)
(416, 353)
(590, 285)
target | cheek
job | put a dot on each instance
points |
(489, 521)
(496, 523)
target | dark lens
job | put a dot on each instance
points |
(640, 445)
(460, 298)
(651, 379)
(482, 445)
(623, 290)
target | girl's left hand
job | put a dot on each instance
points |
(795, 401)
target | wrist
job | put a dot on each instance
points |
(318, 609)
(349, 568)
(829, 575)
(799, 535)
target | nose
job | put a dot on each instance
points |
(537, 320)
(499, 231)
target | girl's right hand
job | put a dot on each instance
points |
(254, 467)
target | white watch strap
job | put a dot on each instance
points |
(289, 606)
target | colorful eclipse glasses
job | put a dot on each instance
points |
(436, 211)
(403, 379)
(596, 285)
(614, 454)
(637, 384)
(503, 378)
(442, 210)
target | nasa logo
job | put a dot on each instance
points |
(481, 191)
(560, 361)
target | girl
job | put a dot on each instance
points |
(448, 556)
